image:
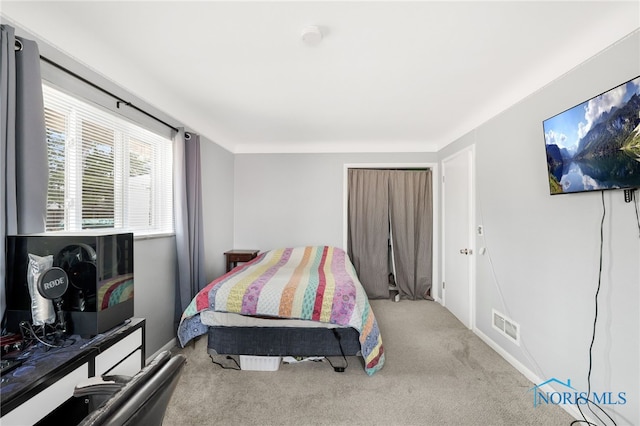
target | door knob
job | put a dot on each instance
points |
(466, 251)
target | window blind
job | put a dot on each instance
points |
(104, 171)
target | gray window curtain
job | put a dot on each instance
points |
(24, 170)
(400, 201)
(411, 219)
(188, 220)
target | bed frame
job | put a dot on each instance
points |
(283, 341)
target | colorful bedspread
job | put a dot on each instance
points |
(311, 283)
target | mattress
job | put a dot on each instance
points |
(230, 319)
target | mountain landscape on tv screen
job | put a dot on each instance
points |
(602, 154)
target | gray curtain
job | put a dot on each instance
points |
(368, 235)
(188, 220)
(24, 170)
(381, 200)
(411, 218)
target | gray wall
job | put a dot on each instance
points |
(288, 200)
(217, 209)
(155, 271)
(542, 261)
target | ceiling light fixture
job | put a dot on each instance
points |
(312, 35)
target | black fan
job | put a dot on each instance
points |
(79, 262)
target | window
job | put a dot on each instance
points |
(104, 171)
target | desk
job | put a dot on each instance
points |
(47, 378)
(235, 256)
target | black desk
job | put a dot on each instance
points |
(43, 369)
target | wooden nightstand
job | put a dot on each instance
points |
(235, 256)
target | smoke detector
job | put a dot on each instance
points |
(312, 35)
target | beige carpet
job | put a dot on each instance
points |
(437, 372)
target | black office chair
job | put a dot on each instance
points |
(139, 400)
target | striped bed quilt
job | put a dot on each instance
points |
(316, 283)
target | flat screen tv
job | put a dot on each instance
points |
(595, 145)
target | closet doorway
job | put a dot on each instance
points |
(389, 229)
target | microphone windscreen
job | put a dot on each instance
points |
(42, 310)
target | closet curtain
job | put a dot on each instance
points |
(24, 169)
(188, 220)
(368, 222)
(391, 207)
(411, 219)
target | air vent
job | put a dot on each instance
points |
(506, 326)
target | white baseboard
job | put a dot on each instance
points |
(508, 357)
(167, 347)
(530, 375)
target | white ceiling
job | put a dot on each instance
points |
(388, 75)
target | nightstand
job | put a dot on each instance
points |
(235, 256)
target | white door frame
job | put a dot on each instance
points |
(470, 151)
(434, 167)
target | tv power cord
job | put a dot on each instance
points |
(338, 368)
(589, 402)
(224, 366)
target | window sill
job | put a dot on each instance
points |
(150, 236)
(137, 235)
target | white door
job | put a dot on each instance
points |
(457, 216)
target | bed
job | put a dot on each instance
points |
(302, 301)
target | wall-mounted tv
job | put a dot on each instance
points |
(595, 145)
